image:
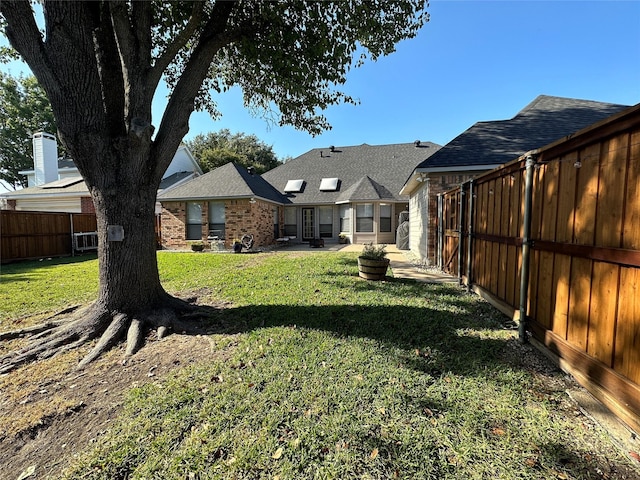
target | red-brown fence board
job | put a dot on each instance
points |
(583, 298)
(25, 235)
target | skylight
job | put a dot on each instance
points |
(294, 186)
(329, 184)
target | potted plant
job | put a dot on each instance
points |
(343, 238)
(373, 262)
(197, 246)
(237, 245)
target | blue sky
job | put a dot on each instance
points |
(475, 60)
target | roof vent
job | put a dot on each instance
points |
(332, 148)
(417, 143)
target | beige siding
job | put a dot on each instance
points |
(69, 205)
(418, 215)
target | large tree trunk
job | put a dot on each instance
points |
(128, 272)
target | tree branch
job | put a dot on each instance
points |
(26, 39)
(110, 71)
(175, 121)
(179, 42)
(124, 35)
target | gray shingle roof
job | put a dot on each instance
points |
(386, 166)
(51, 188)
(365, 189)
(229, 181)
(75, 185)
(545, 120)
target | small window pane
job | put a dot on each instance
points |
(364, 218)
(385, 217)
(345, 218)
(194, 232)
(290, 224)
(325, 221)
(216, 212)
(194, 212)
(194, 221)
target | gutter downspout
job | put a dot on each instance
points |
(470, 237)
(526, 246)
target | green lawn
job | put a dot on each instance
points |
(329, 376)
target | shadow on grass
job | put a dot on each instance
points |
(24, 270)
(409, 329)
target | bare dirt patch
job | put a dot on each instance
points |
(51, 411)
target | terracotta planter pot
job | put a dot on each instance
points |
(372, 269)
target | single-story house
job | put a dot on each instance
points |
(333, 193)
(55, 185)
(223, 204)
(487, 145)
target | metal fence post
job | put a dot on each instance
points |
(440, 230)
(470, 236)
(460, 233)
(526, 246)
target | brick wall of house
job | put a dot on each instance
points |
(86, 205)
(439, 184)
(173, 219)
(241, 217)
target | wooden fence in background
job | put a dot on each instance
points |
(582, 300)
(25, 235)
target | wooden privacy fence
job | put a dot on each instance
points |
(25, 235)
(575, 253)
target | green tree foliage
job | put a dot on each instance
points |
(218, 148)
(24, 110)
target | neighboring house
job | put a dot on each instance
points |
(349, 192)
(55, 185)
(487, 145)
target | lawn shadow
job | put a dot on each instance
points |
(25, 270)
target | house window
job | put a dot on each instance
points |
(290, 225)
(326, 221)
(345, 218)
(194, 221)
(364, 218)
(385, 217)
(216, 220)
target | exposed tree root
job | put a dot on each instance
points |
(61, 335)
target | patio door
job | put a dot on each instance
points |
(308, 232)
